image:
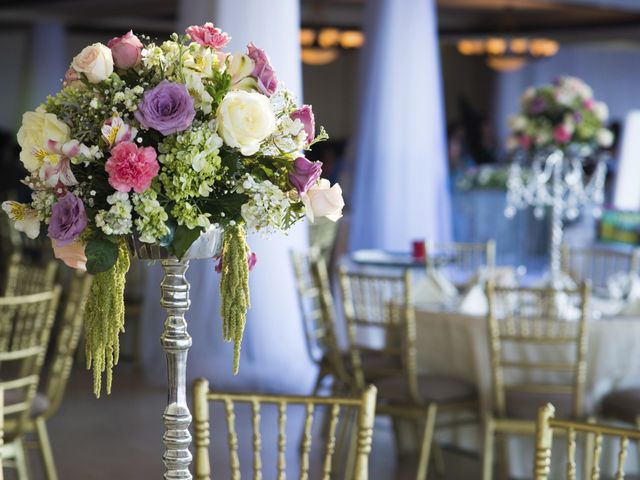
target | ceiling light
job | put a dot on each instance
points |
(319, 56)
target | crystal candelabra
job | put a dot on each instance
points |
(557, 180)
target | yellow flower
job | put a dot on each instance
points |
(37, 129)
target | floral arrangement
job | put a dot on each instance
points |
(163, 141)
(559, 115)
(484, 177)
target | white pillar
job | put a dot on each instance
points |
(273, 353)
(400, 192)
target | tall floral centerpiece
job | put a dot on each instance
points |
(169, 151)
(559, 129)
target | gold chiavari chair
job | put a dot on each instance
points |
(25, 327)
(459, 262)
(25, 277)
(526, 328)
(598, 265)
(365, 407)
(381, 319)
(548, 424)
(1, 429)
(317, 310)
(47, 402)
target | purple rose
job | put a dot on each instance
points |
(304, 174)
(537, 105)
(305, 115)
(68, 219)
(262, 70)
(167, 108)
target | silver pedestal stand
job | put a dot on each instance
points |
(556, 181)
(176, 341)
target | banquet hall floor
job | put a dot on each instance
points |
(119, 436)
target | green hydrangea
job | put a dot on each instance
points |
(190, 215)
(191, 163)
(151, 222)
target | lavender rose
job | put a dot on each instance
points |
(304, 174)
(68, 219)
(262, 70)
(305, 115)
(167, 108)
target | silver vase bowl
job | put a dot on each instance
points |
(207, 245)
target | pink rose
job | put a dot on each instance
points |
(131, 167)
(208, 35)
(71, 79)
(72, 254)
(322, 200)
(126, 50)
(561, 134)
(262, 70)
(305, 115)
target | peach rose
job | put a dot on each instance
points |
(323, 200)
(72, 254)
(95, 61)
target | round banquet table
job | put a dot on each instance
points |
(457, 345)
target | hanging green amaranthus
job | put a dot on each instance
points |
(104, 320)
(234, 288)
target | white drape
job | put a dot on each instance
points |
(400, 190)
(273, 353)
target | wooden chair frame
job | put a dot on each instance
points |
(547, 425)
(469, 256)
(365, 406)
(397, 321)
(597, 264)
(523, 330)
(24, 339)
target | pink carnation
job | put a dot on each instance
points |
(208, 35)
(561, 134)
(131, 167)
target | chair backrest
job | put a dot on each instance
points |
(364, 406)
(316, 304)
(598, 265)
(380, 319)
(66, 342)
(459, 262)
(25, 328)
(545, 429)
(527, 328)
(25, 277)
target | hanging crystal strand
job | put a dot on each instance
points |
(557, 213)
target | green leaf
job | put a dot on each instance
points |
(101, 254)
(182, 240)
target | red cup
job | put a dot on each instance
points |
(417, 250)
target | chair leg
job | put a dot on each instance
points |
(45, 449)
(427, 439)
(589, 444)
(21, 460)
(438, 459)
(488, 446)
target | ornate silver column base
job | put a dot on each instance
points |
(176, 341)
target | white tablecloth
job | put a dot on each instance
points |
(455, 344)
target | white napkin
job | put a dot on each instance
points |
(435, 289)
(632, 306)
(504, 277)
(474, 302)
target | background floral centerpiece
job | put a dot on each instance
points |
(163, 141)
(559, 115)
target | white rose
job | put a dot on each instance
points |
(517, 123)
(95, 61)
(245, 119)
(323, 200)
(601, 111)
(604, 137)
(37, 128)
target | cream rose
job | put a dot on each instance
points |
(323, 200)
(95, 61)
(245, 119)
(37, 128)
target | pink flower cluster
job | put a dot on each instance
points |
(208, 35)
(131, 167)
